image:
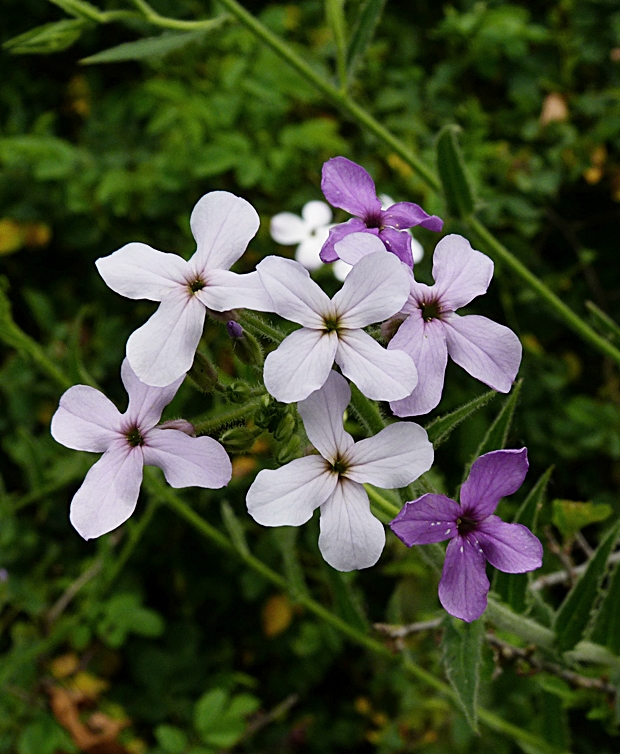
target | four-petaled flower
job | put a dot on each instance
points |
(350, 536)
(475, 534)
(163, 349)
(376, 288)
(348, 186)
(87, 420)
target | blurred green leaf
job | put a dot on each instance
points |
(455, 180)
(123, 615)
(497, 434)
(606, 623)
(366, 23)
(172, 740)
(48, 38)
(570, 516)
(220, 720)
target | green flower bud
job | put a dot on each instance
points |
(289, 450)
(239, 439)
(286, 427)
(238, 392)
(203, 374)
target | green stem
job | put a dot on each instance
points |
(381, 503)
(173, 23)
(366, 411)
(232, 416)
(258, 326)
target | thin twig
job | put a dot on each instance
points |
(63, 601)
(399, 632)
(260, 721)
(560, 577)
(561, 555)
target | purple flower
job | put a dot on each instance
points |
(475, 534)
(348, 186)
(87, 420)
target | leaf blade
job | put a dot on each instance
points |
(441, 428)
(363, 33)
(462, 658)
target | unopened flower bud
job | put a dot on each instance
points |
(239, 439)
(181, 424)
(238, 392)
(289, 451)
(285, 428)
(234, 329)
(247, 348)
(203, 373)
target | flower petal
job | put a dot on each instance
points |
(489, 352)
(308, 253)
(464, 586)
(408, 215)
(109, 493)
(493, 476)
(322, 414)
(146, 402)
(300, 364)
(511, 548)
(138, 271)
(351, 537)
(226, 290)
(376, 288)
(187, 461)
(417, 250)
(354, 246)
(163, 348)
(288, 229)
(425, 343)
(317, 214)
(289, 495)
(338, 232)
(460, 272)
(430, 518)
(294, 294)
(348, 186)
(223, 225)
(398, 242)
(392, 458)
(381, 375)
(85, 420)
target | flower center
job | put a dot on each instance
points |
(196, 285)
(339, 466)
(430, 310)
(373, 221)
(331, 323)
(134, 438)
(466, 525)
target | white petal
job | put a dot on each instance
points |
(386, 201)
(294, 294)
(86, 420)
(351, 537)
(187, 461)
(163, 349)
(317, 214)
(460, 272)
(300, 364)
(376, 288)
(356, 246)
(417, 250)
(322, 414)
(226, 290)
(288, 229)
(289, 495)
(308, 251)
(138, 271)
(341, 269)
(109, 493)
(393, 458)
(223, 225)
(146, 403)
(381, 375)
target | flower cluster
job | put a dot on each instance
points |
(380, 289)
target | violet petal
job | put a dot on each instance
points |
(493, 476)
(399, 243)
(408, 215)
(464, 586)
(511, 548)
(348, 186)
(337, 233)
(430, 518)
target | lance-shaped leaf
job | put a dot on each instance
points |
(606, 623)
(53, 37)
(455, 180)
(363, 32)
(462, 656)
(286, 540)
(574, 613)
(233, 525)
(347, 603)
(497, 434)
(80, 9)
(603, 322)
(441, 428)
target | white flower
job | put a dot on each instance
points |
(376, 288)
(310, 231)
(163, 349)
(351, 537)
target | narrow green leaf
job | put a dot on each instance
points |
(47, 38)
(574, 613)
(363, 32)
(441, 428)
(79, 9)
(286, 539)
(348, 606)
(457, 187)
(334, 10)
(603, 322)
(234, 528)
(497, 434)
(606, 624)
(462, 656)
(151, 46)
(512, 587)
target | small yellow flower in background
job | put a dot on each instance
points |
(554, 109)
(277, 615)
(11, 236)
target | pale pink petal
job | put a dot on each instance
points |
(493, 476)
(226, 290)
(430, 518)
(223, 225)
(85, 420)
(289, 495)
(489, 352)
(464, 586)
(163, 349)
(393, 458)
(351, 537)
(138, 271)
(146, 403)
(294, 294)
(109, 493)
(425, 343)
(187, 461)
(322, 413)
(348, 186)
(381, 375)
(460, 272)
(376, 288)
(300, 364)
(288, 229)
(317, 214)
(338, 232)
(354, 246)
(511, 548)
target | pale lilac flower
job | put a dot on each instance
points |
(376, 288)
(475, 534)
(87, 420)
(163, 349)
(351, 537)
(310, 231)
(348, 186)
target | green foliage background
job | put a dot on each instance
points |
(92, 157)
